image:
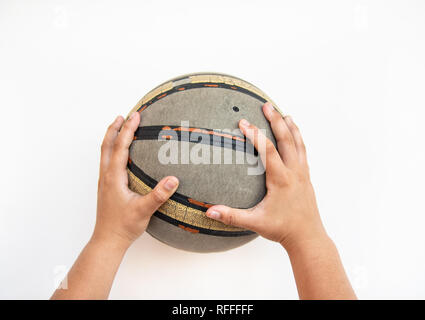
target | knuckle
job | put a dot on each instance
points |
(286, 136)
(159, 196)
(282, 180)
(293, 126)
(229, 219)
(119, 144)
(288, 121)
(300, 176)
(110, 128)
(275, 116)
(252, 130)
(126, 125)
(104, 146)
(269, 148)
(108, 178)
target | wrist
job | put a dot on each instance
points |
(312, 234)
(112, 241)
(312, 241)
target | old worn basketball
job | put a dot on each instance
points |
(189, 129)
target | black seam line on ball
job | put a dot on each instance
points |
(211, 232)
(188, 86)
(158, 133)
(150, 182)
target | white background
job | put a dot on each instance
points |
(351, 74)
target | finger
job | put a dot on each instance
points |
(161, 193)
(243, 218)
(267, 151)
(298, 139)
(108, 142)
(284, 139)
(124, 140)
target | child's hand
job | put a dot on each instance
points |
(288, 213)
(123, 215)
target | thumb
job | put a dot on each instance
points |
(242, 218)
(161, 193)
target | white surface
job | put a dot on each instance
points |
(351, 73)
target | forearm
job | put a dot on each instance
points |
(318, 270)
(92, 274)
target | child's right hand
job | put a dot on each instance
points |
(288, 213)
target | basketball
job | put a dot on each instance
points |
(189, 129)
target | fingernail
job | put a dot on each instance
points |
(244, 123)
(268, 108)
(214, 214)
(171, 183)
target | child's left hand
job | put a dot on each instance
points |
(123, 215)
